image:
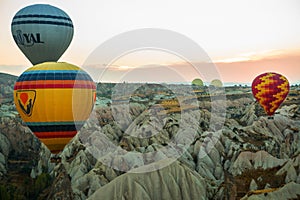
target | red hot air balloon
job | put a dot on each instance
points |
(270, 89)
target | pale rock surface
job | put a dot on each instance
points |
(249, 160)
(172, 182)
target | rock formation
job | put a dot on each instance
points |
(156, 149)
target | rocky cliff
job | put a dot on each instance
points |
(156, 148)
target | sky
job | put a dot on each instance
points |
(243, 38)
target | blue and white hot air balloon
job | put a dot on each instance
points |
(42, 32)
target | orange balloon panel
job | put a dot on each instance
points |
(54, 100)
(270, 89)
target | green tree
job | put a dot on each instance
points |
(41, 183)
(4, 194)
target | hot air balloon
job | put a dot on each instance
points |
(54, 100)
(270, 89)
(197, 82)
(216, 83)
(42, 32)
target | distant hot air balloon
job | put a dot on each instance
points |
(54, 100)
(216, 83)
(270, 89)
(42, 32)
(197, 82)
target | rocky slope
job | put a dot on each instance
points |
(176, 181)
(147, 149)
(261, 159)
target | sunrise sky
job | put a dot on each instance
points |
(243, 38)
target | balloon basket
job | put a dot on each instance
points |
(55, 159)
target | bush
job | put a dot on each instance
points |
(41, 183)
(4, 194)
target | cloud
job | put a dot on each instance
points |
(145, 73)
(238, 71)
(286, 63)
(283, 62)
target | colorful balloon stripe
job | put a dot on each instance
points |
(77, 123)
(42, 23)
(50, 66)
(56, 145)
(54, 85)
(42, 16)
(53, 128)
(56, 71)
(56, 134)
(54, 76)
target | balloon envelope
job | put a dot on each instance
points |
(197, 82)
(270, 89)
(42, 32)
(216, 83)
(54, 100)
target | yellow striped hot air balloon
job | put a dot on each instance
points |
(54, 100)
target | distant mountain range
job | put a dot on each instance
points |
(6, 78)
